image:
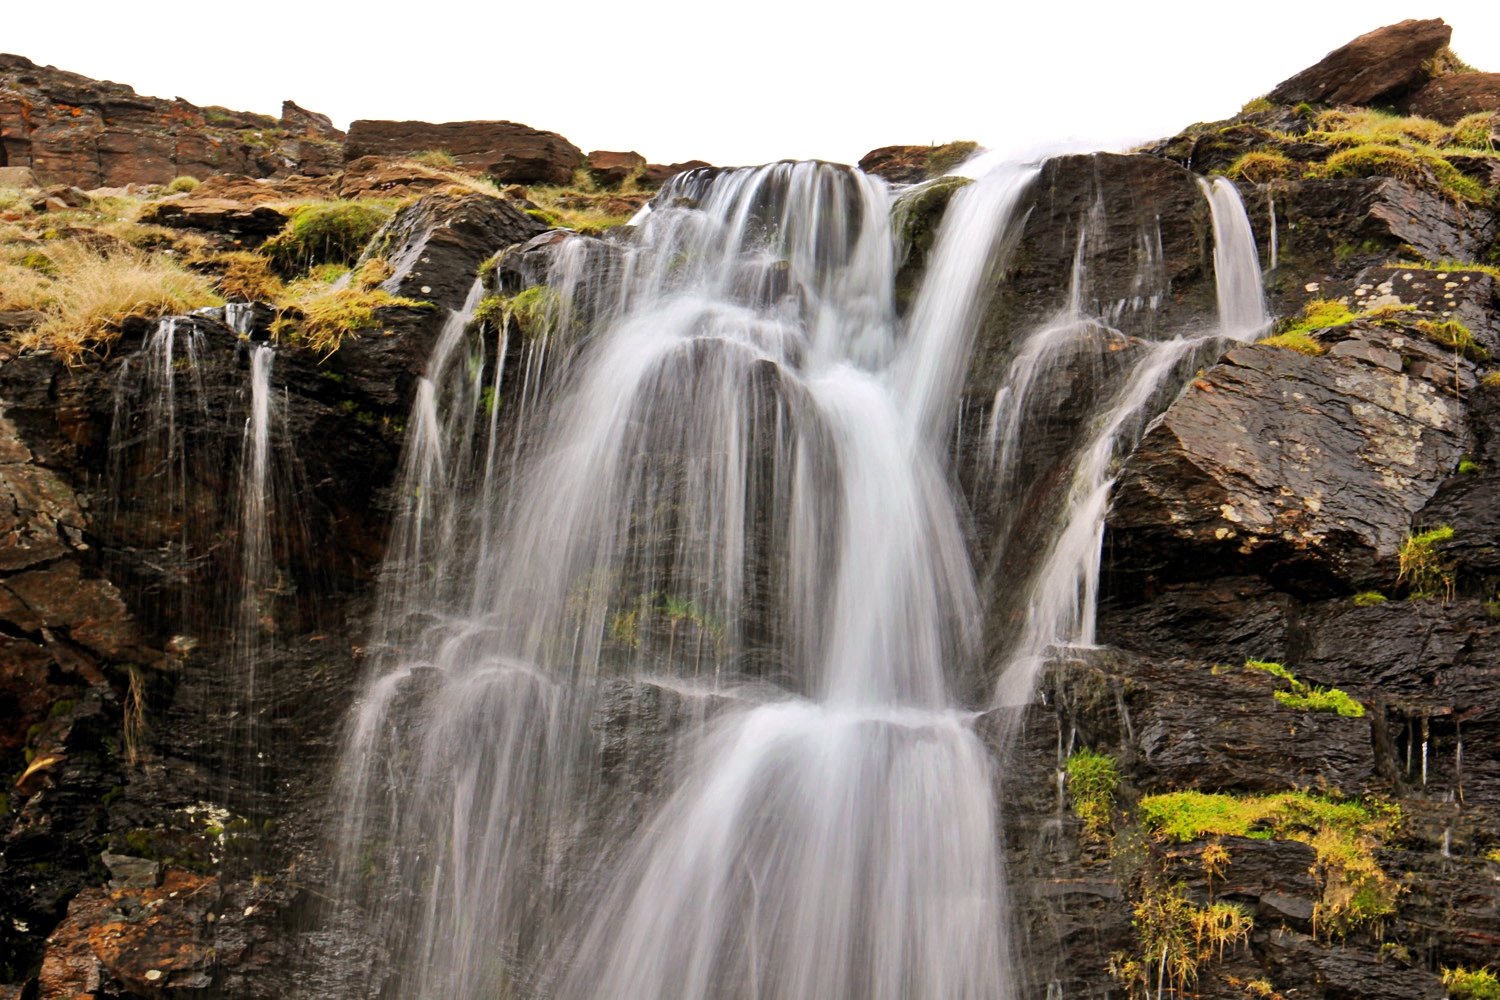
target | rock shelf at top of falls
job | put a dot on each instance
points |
(732, 604)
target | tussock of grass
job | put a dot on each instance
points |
(329, 313)
(536, 311)
(1413, 164)
(1471, 984)
(1452, 333)
(1257, 104)
(92, 294)
(325, 233)
(1423, 569)
(246, 277)
(1261, 166)
(1175, 938)
(1092, 780)
(1477, 131)
(184, 183)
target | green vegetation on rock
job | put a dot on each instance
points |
(1452, 333)
(1308, 698)
(183, 183)
(1423, 569)
(536, 311)
(1368, 598)
(325, 233)
(1471, 984)
(1092, 779)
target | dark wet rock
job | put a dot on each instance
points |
(1228, 619)
(1305, 470)
(510, 152)
(916, 216)
(1450, 97)
(220, 215)
(1379, 66)
(126, 872)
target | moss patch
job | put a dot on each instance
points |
(1093, 779)
(1423, 569)
(325, 233)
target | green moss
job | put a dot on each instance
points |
(1413, 164)
(1093, 779)
(1307, 698)
(1468, 467)
(1261, 166)
(1295, 340)
(1317, 314)
(1423, 569)
(325, 233)
(535, 311)
(61, 707)
(1452, 333)
(1471, 984)
(1274, 669)
(1368, 598)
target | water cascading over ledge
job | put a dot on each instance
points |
(733, 526)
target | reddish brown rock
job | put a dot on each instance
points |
(1449, 98)
(90, 611)
(70, 968)
(610, 169)
(656, 174)
(160, 938)
(913, 164)
(1379, 66)
(70, 129)
(510, 152)
(374, 177)
(300, 121)
(259, 191)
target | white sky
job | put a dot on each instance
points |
(741, 82)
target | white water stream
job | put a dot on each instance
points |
(737, 504)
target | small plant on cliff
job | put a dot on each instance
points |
(1261, 166)
(325, 233)
(1368, 598)
(1423, 569)
(1092, 779)
(1477, 131)
(536, 311)
(1452, 333)
(183, 184)
(1175, 937)
(1471, 984)
(322, 316)
(1307, 698)
(1468, 467)
(1317, 314)
(245, 277)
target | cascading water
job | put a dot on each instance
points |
(740, 502)
(735, 506)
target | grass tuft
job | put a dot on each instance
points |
(330, 313)
(1452, 333)
(325, 233)
(1477, 131)
(1093, 779)
(1423, 569)
(182, 184)
(1471, 984)
(1262, 166)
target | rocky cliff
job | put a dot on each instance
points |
(1276, 776)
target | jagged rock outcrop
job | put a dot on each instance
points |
(510, 152)
(70, 129)
(1449, 98)
(1379, 66)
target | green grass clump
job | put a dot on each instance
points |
(439, 158)
(325, 233)
(1471, 984)
(1413, 164)
(1368, 598)
(1294, 340)
(1308, 698)
(1363, 127)
(1260, 166)
(1452, 333)
(1317, 314)
(1422, 568)
(323, 315)
(536, 311)
(1468, 467)
(1477, 131)
(182, 184)
(1093, 778)
(1176, 937)
(1344, 832)
(1257, 104)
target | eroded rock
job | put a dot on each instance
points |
(1380, 65)
(510, 152)
(1449, 98)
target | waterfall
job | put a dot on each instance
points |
(1061, 598)
(737, 498)
(714, 528)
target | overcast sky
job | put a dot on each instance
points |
(743, 82)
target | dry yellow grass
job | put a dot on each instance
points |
(91, 294)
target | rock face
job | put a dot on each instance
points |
(1449, 98)
(914, 164)
(508, 151)
(70, 129)
(1379, 66)
(1310, 469)
(610, 169)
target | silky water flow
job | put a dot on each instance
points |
(729, 523)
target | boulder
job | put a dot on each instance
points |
(1377, 67)
(17, 177)
(656, 174)
(375, 177)
(220, 215)
(510, 152)
(611, 169)
(1307, 470)
(1449, 98)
